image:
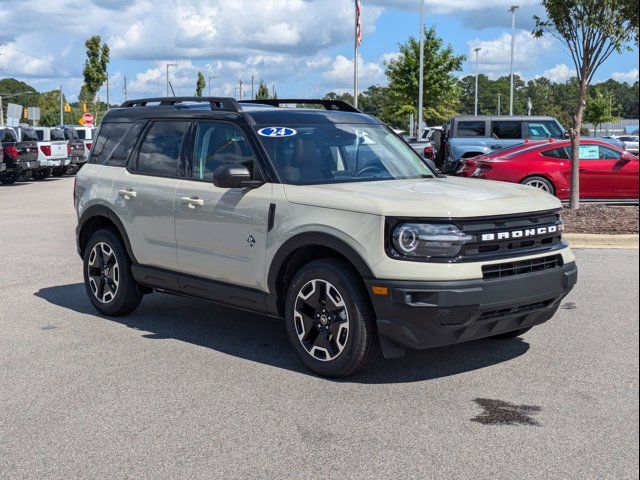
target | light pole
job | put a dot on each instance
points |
(169, 65)
(209, 83)
(421, 74)
(475, 103)
(513, 46)
(499, 103)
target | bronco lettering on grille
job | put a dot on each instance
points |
(527, 233)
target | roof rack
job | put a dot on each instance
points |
(327, 104)
(217, 103)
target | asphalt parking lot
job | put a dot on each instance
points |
(185, 389)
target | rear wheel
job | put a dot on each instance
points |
(514, 334)
(540, 183)
(9, 178)
(107, 275)
(40, 174)
(329, 319)
(25, 176)
(58, 171)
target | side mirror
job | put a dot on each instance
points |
(234, 176)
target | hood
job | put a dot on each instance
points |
(453, 197)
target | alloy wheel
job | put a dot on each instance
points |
(104, 272)
(539, 185)
(321, 320)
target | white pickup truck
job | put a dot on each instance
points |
(53, 153)
(86, 134)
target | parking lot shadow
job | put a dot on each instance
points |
(263, 339)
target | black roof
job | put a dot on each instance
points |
(254, 112)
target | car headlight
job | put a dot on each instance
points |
(424, 240)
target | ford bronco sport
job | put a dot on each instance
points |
(321, 216)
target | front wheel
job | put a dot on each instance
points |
(329, 318)
(107, 275)
(540, 183)
(40, 174)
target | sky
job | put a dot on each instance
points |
(302, 47)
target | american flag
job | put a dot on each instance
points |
(358, 23)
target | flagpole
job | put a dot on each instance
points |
(355, 57)
(421, 73)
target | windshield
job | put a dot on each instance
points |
(335, 153)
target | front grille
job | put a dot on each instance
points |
(501, 270)
(537, 232)
(492, 314)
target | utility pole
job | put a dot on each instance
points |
(240, 90)
(421, 74)
(499, 103)
(108, 104)
(356, 44)
(124, 89)
(273, 91)
(1, 114)
(252, 91)
(61, 108)
(513, 46)
(169, 65)
(209, 83)
(475, 103)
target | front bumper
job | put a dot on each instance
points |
(420, 315)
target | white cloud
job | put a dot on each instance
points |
(630, 77)
(341, 73)
(495, 55)
(447, 6)
(560, 73)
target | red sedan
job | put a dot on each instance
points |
(606, 172)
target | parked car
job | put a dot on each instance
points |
(76, 149)
(20, 157)
(27, 151)
(53, 153)
(630, 143)
(606, 172)
(324, 218)
(616, 142)
(3, 166)
(86, 134)
(429, 144)
(468, 136)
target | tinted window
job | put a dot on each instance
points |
(557, 153)
(114, 143)
(507, 130)
(218, 144)
(29, 135)
(8, 135)
(81, 134)
(471, 129)
(40, 134)
(544, 129)
(70, 134)
(160, 150)
(56, 135)
(606, 152)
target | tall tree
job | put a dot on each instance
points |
(263, 91)
(95, 68)
(591, 30)
(441, 84)
(200, 84)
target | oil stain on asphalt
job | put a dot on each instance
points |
(498, 412)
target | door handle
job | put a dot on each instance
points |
(193, 202)
(127, 194)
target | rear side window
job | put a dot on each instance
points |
(507, 130)
(160, 150)
(40, 134)
(29, 135)
(544, 129)
(556, 153)
(472, 129)
(114, 143)
(81, 134)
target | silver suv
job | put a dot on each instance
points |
(320, 215)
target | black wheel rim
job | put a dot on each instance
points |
(104, 272)
(321, 320)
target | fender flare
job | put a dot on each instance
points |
(96, 211)
(310, 239)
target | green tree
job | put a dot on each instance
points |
(263, 91)
(598, 110)
(441, 94)
(95, 69)
(200, 84)
(591, 30)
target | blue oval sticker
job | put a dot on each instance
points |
(277, 132)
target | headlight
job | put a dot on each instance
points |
(424, 240)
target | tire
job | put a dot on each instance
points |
(106, 249)
(40, 174)
(9, 178)
(25, 176)
(58, 171)
(345, 338)
(514, 334)
(540, 183)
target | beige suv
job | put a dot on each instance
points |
(319, 215)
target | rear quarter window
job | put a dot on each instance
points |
(472, 129)
(40, 134)
(114, 143)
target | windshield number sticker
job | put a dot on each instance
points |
(277, 132)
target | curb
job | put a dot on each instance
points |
(583, 240)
